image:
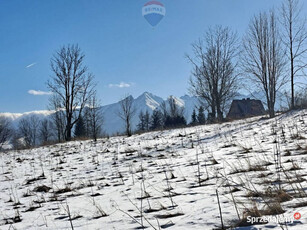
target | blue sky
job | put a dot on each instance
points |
(121, 48)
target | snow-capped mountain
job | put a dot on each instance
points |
(145, 102)
(189, 104)
(112, 122)
(150, 100)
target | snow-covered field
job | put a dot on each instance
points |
(162, 180)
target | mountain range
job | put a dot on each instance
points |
(112, 123)
(145, 102)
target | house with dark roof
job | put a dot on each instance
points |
(245, 108)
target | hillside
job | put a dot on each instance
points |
(166, 179)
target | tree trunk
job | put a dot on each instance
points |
(213, 113)
(68, 130)
(292, 80)
(271, 109)
(219, 115)
(219, 112)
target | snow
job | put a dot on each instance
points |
(112, 122)
(111, 175)
(150, 100)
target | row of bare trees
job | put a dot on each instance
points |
(30, 131)
(295, 38)
(91, 117)
(264, 56)
(5, 131)
(33, 130)
(272, 54)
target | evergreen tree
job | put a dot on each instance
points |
(144, 121)
(147, 120)
(80, 130)
(201, 115)
(194, 118)
(176, 121)
(141, 125)
(173, 114)
(156, 120)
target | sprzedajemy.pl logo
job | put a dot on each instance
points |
(275, 219)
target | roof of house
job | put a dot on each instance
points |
(245, 108)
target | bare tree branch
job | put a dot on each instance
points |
(6, 130)
(295, 38)
(72, 85)
(214, 78)
(126, 113)
(263, 57)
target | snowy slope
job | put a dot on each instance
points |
(165, 180)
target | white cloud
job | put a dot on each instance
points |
(120, 85)
(32, 64)
(38, 92)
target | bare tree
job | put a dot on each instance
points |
(263, 58)
(45, 130)
(147, 120)
(71, 83)
(144, 121)
(174, 109)
(5, 130)
(126, 113)
(141, 124)
(93, 118)
(164, 111)
(16, 140)
(214, 63)
(24, 128)
(156, 121)
(58, 117)
(295, 38)
(172, 113)
(171, 109)
(28, 129)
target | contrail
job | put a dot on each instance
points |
(28, 66)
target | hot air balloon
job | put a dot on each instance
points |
(153, 12)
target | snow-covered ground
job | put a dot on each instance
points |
(162, 180)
